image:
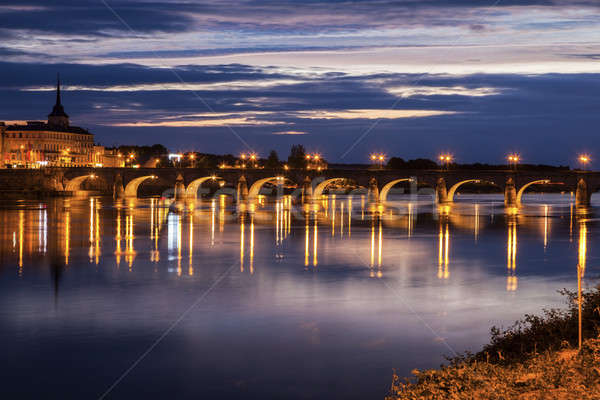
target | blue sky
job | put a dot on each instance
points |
(409, 78)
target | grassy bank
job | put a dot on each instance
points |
(536, 358)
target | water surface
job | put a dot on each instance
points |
(124, 299)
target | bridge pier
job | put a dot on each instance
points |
(583, 196)
(118, 190)
(441, 193)
(242, 189)
(307, 191)
(373, 193)
(179, 193)
(510, 194)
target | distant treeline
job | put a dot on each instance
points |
(424, 163)
(296, 159)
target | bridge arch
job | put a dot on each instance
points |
(192, 189)
(522, 190)
(74, 184)
(454, 188)
(256, 186)
(386, 188)
(318, 190)
(132, 187)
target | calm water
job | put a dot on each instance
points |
(125, 297)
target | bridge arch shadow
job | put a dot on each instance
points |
(521, 191)
(254, 190)
(131, 190)
(321, 186)
(454, 188)
(191, 191)
(74, 185)
(388, 186)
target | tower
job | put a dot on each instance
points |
(58, 117)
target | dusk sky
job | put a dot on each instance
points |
(409, 78)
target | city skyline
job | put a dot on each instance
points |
(404, 78)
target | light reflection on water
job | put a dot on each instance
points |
(321, 300)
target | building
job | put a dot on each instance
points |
(52, 143)
(107, 157)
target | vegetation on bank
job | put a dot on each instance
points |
(297, 159)
(536, 358)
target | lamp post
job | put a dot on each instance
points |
(513, 160)
(445, 159)
(313, 161)
(584, 160)
(378, 159)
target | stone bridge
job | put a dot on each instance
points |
(247, 183)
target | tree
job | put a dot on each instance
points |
(297, 157)
(273, 160)
(396, 163)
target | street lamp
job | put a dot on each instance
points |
(445, 159)
(378, 159)
(584, 159)
(513, 160)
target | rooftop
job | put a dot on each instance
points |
(43, 126)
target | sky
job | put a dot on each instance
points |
(408, 78)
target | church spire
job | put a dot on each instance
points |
(58, 89)
(58, 117)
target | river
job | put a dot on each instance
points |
(124, 299)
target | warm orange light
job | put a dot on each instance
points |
(286, 167)
(253, 156)
(192, 156)
(381, 158)
(584, 159)
(316, 157)
(132, 156)
(373, 157)
(308, 156)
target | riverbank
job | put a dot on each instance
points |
(537, 358)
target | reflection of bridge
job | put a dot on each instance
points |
(124, 182)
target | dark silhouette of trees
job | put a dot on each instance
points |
(143, 153)
(297, 157)
(419, 163)
(273, 160)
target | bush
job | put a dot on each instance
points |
(534, 334)
(536, 358)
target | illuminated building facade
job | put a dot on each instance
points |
(40, 143)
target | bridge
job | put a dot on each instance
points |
(246, 184)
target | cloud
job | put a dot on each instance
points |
(370, 114)
(476, 116)
(290, 133)
(204, 123)
(175, 86)
(411, 91)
